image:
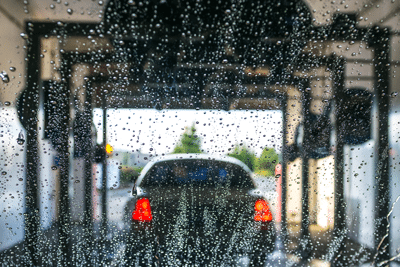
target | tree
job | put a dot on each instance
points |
(189, 143)
(267, 161)
(245, 155)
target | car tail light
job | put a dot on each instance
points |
(142, 212)
(262, 212)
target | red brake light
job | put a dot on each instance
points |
(262, 211)
(142, 212)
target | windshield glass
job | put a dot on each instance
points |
(305, 93)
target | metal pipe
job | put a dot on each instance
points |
(305, 241)
(32, 219)
(104, 222)
(88, 213)
(338, 66)
(63, 111)
(284, 169)
(382, 76)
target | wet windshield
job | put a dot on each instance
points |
(296, 100)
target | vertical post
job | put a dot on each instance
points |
(338, 67)
(104, 175)
(284, 169)
(63, 113)
(305, 242)
(32, 220)
(88, 213)
(381, 58)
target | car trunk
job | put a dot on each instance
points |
(200, 211)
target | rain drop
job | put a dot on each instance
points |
(21, 138)
(77, 181)
(7, 103)
(4, 77)
(12, 69)
(3, 173)
(54, 167)
(52, 6)
(70, 11)
(23, 35)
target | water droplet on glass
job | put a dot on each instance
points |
(7, 103)
(21, 138)
(3, 173)
(12, 69)
(70, 11)
(20, 179)
(77, 181)
(52, 6)
(277, 176)
(23, 35)
(4, 77)
(54, 167)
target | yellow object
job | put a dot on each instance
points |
(109, 149)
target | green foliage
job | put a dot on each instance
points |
(189, 143)
(245, 155)
(267, 161)
(129, 174)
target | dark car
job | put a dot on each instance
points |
(198, 210)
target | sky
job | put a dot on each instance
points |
(157, 132)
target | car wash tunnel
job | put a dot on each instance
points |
(112, 98)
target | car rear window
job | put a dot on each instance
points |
(197, 172)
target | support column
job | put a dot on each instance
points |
(88, 176)
(305, 240)
(104, 221)
(62, 147)
(29, 110)
(338, 68)
(284, 168)
(382, 76)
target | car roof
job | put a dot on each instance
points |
(174, 157)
